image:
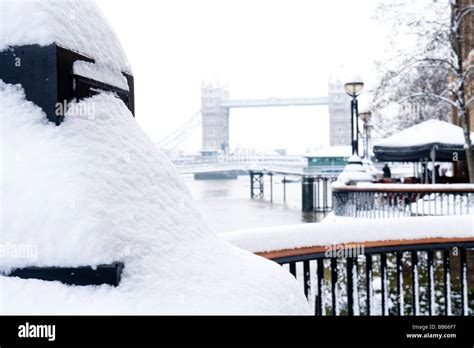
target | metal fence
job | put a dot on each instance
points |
(388, 201)
(425, 277)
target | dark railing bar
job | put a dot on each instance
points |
(293, 268)
(383, 276)
(447, 282)
(306, 278)
(352, 289)
(415, 284)
(369, 279)
(350, 286)
(400, 295)
(431, 289)
(463, 279)
(334, 289)
(319, 308)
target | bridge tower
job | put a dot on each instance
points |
(215, 119)
(339, 113)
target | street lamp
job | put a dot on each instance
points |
(366, 116)
(354, 88)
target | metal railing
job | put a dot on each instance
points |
(394, 200)
(416, 277)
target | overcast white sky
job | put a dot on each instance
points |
(258, 48)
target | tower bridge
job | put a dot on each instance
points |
(216, 105)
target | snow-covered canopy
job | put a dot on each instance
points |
(97, 190)
(77, 25)
(416, 142)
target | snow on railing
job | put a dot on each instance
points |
(374, 267)
(375, 201)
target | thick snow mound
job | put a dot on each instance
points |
(428, 132)
(96, 190)
(74, 24)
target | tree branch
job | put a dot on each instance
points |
(460, 16)
(471, 100)
(430, 95)
(440, 60)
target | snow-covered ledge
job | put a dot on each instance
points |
(351, 231)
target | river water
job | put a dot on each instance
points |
(226, 204)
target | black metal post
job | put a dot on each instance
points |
(463, 276)
(306, 278)
(319, 307)
(334, 292)
(447, 282)
(400, 295)
(271, 186)
(383, 275)
(415, 286)
(431, 288)
(355, 126)
(369, 278)
(307, 194)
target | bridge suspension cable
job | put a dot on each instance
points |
(181, 133)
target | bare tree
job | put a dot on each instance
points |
(432, 79)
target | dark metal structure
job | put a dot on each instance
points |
(256, 184)
(46, 74)
(85, 275)
(392, 263)
(412, 200)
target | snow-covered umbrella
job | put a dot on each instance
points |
(437, 140)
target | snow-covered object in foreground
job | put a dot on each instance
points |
(96, 190)
(348, 230)
(77, 25)
(354, 172)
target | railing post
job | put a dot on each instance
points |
(319, 307)
(447, 282)
(306, 278)
(334, 290)
(369, 279)
(463, 280)
(400, 295)
(293, 268)
(431, 289)
(415, 285)
(383, 275)
(352, 293)
(271, 186)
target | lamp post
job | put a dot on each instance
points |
(354, 88)
(366, 116)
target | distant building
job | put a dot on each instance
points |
(339, 114)
(215, 119)
(332, 159)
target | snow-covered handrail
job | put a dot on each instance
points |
(438, 188)
(350, 231)
(367, 245)
(374, 201)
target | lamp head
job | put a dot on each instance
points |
(354, 86)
